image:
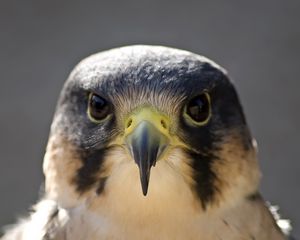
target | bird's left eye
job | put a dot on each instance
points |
(198, 109)
(98, 108)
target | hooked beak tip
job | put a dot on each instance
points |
(144, 176)
(145, 191)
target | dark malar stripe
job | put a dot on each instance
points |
(86, 176)
(203, 176)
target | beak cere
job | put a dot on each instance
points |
(146, 143)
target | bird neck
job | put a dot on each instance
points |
(248, 219)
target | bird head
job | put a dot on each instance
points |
(146, 108)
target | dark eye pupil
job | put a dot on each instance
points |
(98, 107)
(198, 108)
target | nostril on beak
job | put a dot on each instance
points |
(163, 124)
(129, 123)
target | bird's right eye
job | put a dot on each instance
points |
(98, 108)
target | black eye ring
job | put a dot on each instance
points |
(98, 108)
(198, 109)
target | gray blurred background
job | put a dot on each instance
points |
(257, 41)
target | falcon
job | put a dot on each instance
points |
(150, 142)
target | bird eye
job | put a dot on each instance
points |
(98, 108)
(198, 109)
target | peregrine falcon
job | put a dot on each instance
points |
(150, 142)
